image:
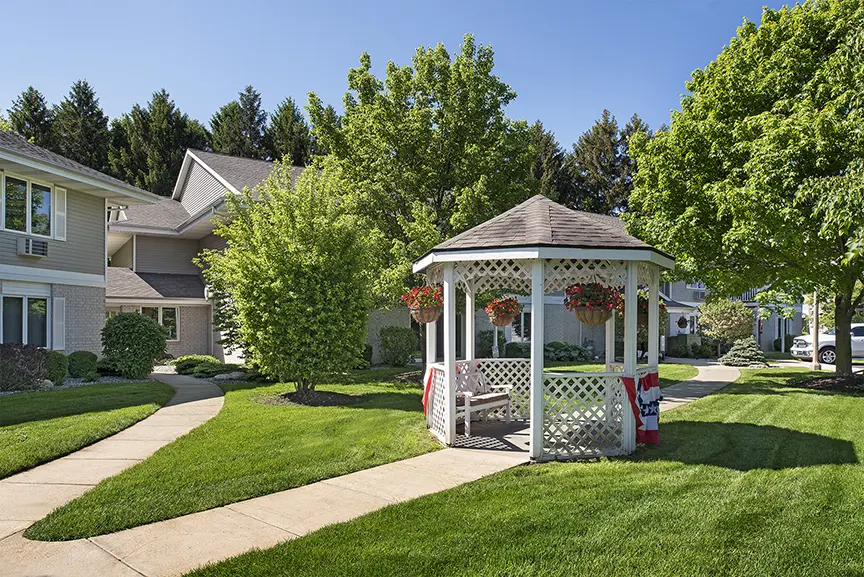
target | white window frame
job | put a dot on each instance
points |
(29, 208)
(176, 318)
(696, 286)
(25, 337)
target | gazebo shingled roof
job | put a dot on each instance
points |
(541, 222)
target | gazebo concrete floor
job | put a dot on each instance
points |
(495, 436)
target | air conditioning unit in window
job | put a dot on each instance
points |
(32, 247)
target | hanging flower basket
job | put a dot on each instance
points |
(641, 308)
(683, 323)
(502, 311)
(593, 303)
(425, 303)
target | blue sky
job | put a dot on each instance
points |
(566, 60)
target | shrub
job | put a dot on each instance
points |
(788, 343)
(706, 350)
(133, 343)
(483, 344)
(82, 364)
(679, 351)
(106, 368)
(58, 365)
(208, 369)
(187, 364)
(517, 351)
(398, 345)
(367, 353)
(558, 351)
(744, 353)
(22, 367)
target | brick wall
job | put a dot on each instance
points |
(194, 332)
(85, 316)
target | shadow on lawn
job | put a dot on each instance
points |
(779, 382)
(744, 447)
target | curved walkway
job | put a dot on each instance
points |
(32, 494)
(176, 546)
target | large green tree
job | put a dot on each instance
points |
(238, 128)
(31, 117)
(758, 182)
(148, 143)
(549, 170)
(295, 275)
(288, 134)
(428, 151)
(81, 127)
(600, 166)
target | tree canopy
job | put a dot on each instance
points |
(758, 180)
(148, 144)
(81, 127)
(428, 151)
(726, 321)
(296, 274)
(288, 134)
(239, 127)
(31, 117)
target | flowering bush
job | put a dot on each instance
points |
(424, 297)
(591, 296)
(507, 306)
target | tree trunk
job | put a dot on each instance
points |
(843, 311)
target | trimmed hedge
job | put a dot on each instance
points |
(82, 364)
(23, 367)
(744, 353)
(132, 343)
(558, 351)
(58, 366)
(788, 343)
(187, 364)
(398, 345)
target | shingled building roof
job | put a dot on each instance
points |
(540, 222)
(240, 172)
(123, 283)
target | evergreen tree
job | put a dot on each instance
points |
(31, 117)
(601, 168)
(81, 128)
(148, 144)
(239, 126)
(548, 170)
(288, 134)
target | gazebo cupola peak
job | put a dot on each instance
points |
(540, 247)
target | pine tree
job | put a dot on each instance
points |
(148, 144)
(31, 117)
(601, 168)
(553, 179)
(288, 134)
(81, 127)
(239, 126)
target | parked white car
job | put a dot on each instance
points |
(802, 347)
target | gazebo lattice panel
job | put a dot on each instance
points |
(436, 409)
(582, 415)
(560, 273)
(512, 372)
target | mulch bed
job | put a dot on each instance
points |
(312, 399)
(841, 384)
(409, 378)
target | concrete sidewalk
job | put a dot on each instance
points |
(176, 546)
(711, 378)
(30, 495)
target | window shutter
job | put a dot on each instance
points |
(58, 324)
(60, 213)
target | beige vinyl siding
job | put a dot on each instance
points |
(83, 251)
(201, 189)
(166, 255)
(124, 255)
(212, 241)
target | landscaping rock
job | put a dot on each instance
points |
(235, 376)
(45, 385)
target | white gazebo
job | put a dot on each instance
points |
(540, 247)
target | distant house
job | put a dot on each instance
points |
(151, 251)
(53, 245)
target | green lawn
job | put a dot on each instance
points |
(670, 373)
(759, 479)
(251, 449)
(38, 427)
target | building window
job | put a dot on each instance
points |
(696, 286)
(27, 206)
(24, 320)
(522, 327)
(166, 317)
(666, 289)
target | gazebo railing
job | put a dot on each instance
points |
(513, 372)
(436, 408)
(584, 415)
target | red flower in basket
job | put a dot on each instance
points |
(501, 311)
(425, 302)
(593, 303)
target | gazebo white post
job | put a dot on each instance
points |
(653, 318)
(449, 353)
(537, 310)
(631, 313)
(610, 342)
(431, 343)
(469, 320)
